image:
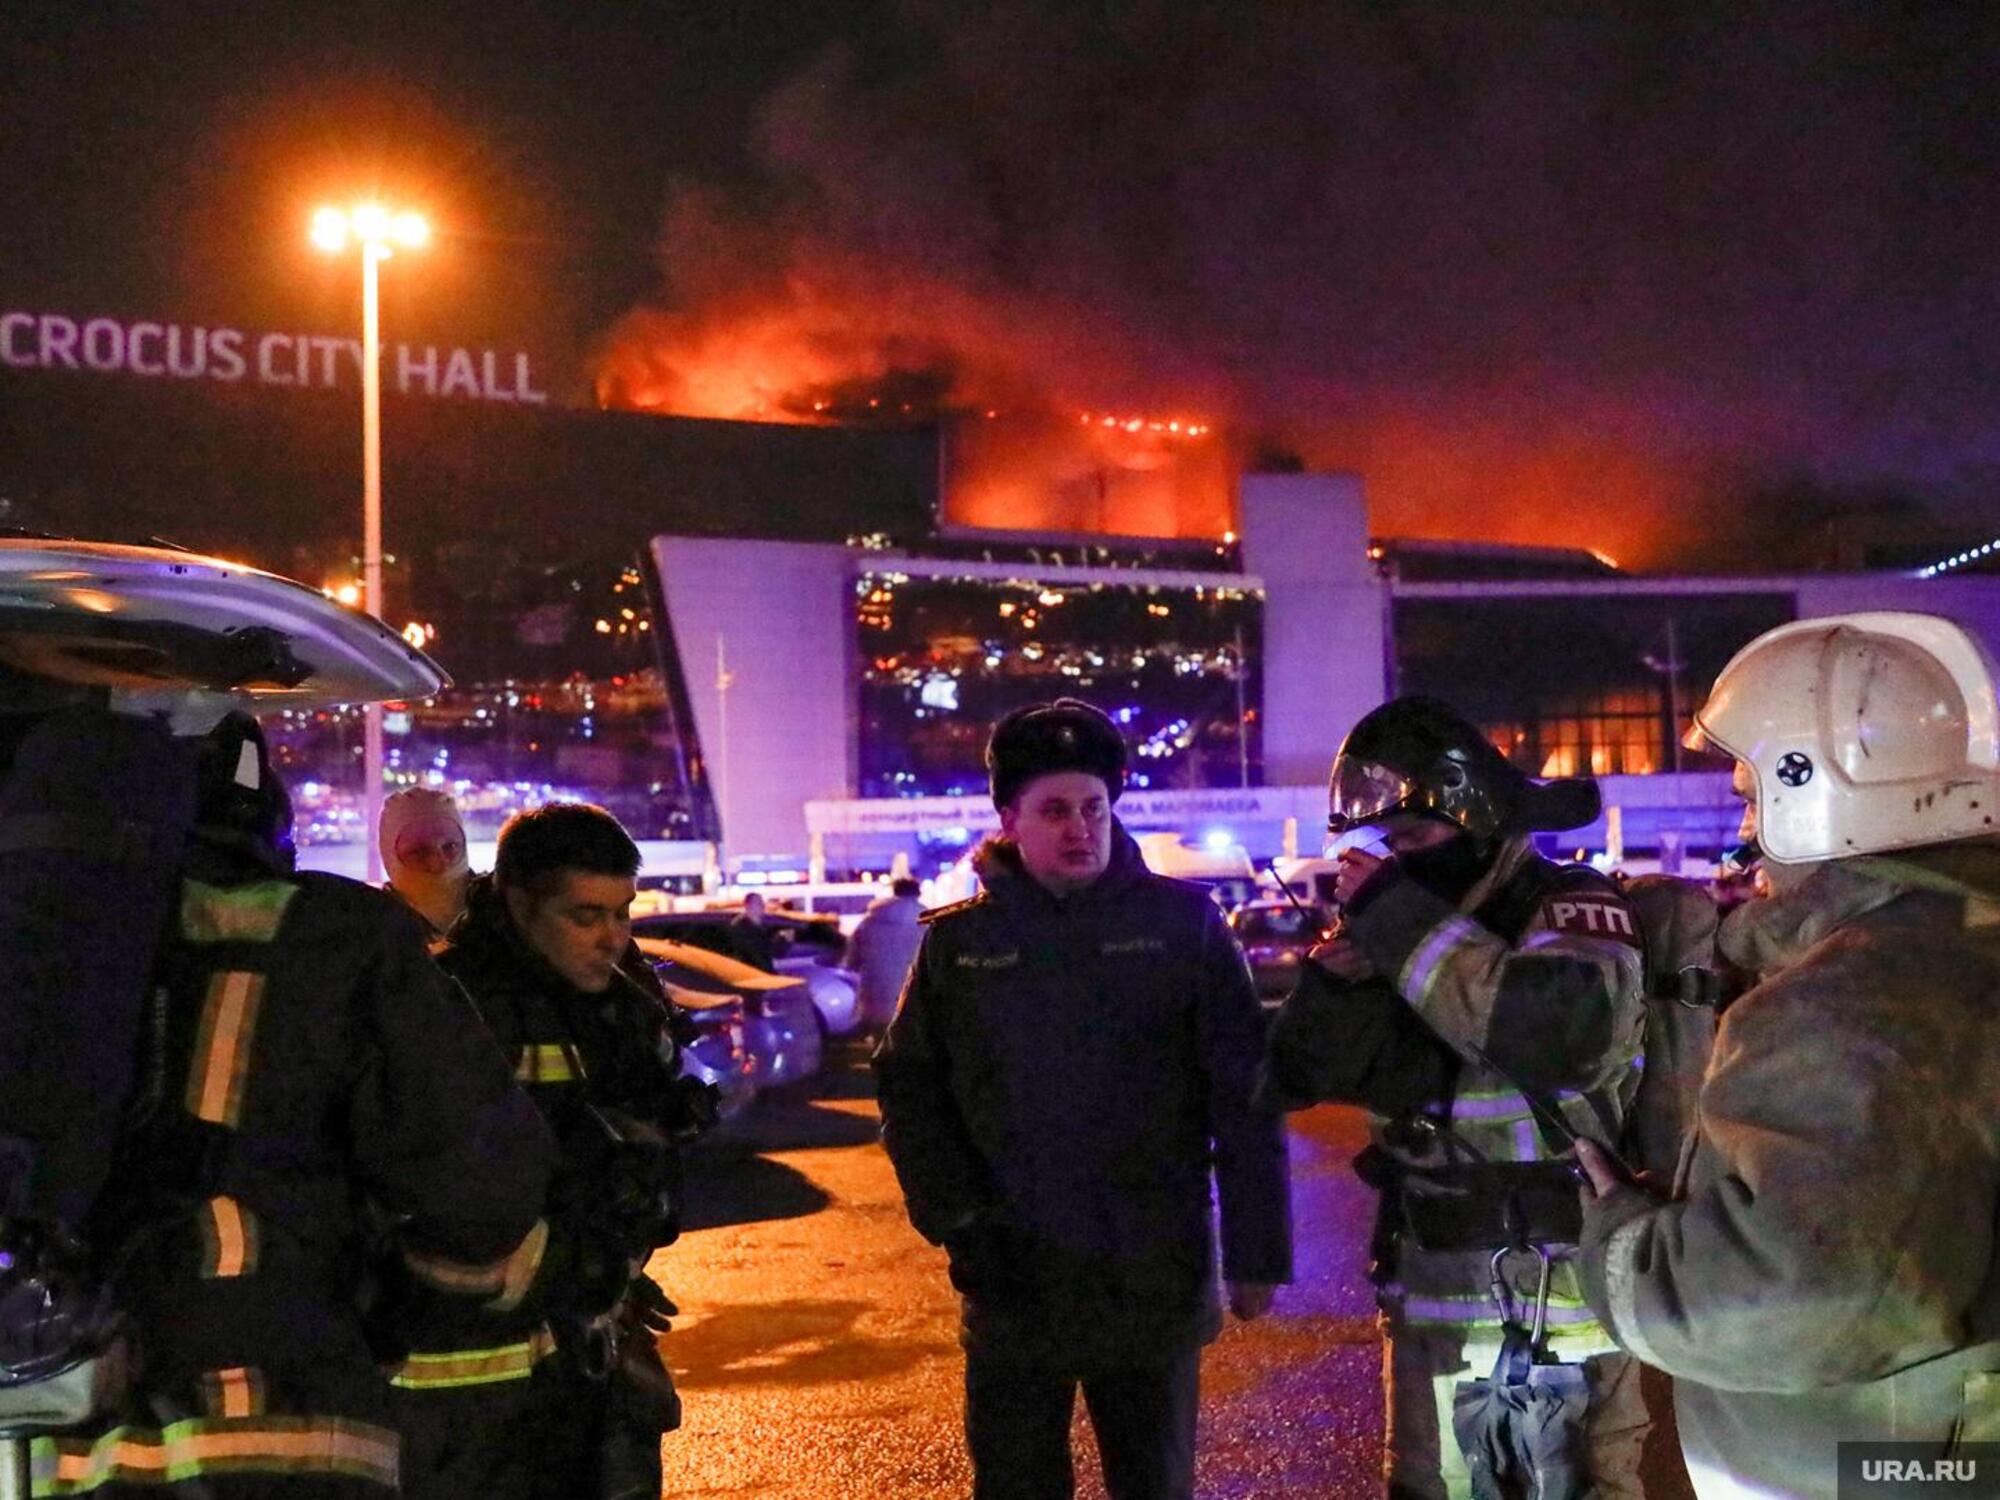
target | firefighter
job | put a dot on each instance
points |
(563, 1393)
(307, 1071)
(1484, 1004)
(1824, 1271)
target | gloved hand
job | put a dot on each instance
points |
(646, 1306)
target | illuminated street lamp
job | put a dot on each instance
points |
(377, 232)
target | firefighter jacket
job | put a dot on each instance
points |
(1825, 1271)
(602, 1070)
(306, 1059)
(1061, 1079)
(1535, 981)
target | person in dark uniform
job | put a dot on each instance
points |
(563, 1393)
(312, 1074)
(1068, 1071)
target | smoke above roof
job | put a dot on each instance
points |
(1539, 273)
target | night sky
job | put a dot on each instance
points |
(1660, 278)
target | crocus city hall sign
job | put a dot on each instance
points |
(307, 361)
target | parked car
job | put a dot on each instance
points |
(806, 948)
(774, 1018)
(1275, 936)
(719, 1054)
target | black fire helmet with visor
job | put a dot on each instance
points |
(1416, 754)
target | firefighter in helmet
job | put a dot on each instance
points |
(1486, 1006)
(1824, 1270)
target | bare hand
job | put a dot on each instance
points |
(1356, 867)
(1250, 1300)
(1343, 959)
(1600, 1175)
(1604, 1174)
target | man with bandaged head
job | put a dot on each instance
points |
(1069, 1069)
(1486, 1006)
(422, 839)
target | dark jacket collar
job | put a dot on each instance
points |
(487, 951)
(997, 863)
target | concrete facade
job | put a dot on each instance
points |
(1306, 537)
(775, 617)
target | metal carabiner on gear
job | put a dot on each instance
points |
(1503, 1297)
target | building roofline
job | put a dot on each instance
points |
(1773, 583)
(1037, 573)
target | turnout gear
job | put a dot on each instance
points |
(1864, 733)
(1500, 1026)
(1066, 735)
(485, 1408)
(311, 1054)
(269, 1060)
(1824, 1272)
(1416, 755)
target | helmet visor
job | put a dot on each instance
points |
(1361, 792)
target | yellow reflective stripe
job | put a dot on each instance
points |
(222, 1047)
(549, 1062)
(229, 1239)
(234, 913)
(518, 1273)
(463, 1367)
(233, 1393)
(208, 1446)
(507, 1278)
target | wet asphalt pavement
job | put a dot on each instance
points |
(817, 1351)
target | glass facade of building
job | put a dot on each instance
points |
(1580, 685)
(558, 693)
(941, 658)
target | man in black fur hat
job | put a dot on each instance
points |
(1072, 1058)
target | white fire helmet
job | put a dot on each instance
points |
(1863, 733)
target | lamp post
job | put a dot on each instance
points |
(376, 232)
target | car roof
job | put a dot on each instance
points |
(156, 620)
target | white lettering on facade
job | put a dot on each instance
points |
(226, 345)
(524, 388)
(135, 348)
(103, 345)
(267, 370)
(459, 377)
(327, 348)
(11, 324)
(425, 369)
(58, 341)
(155, 350)
(489, 387)
(187, 352)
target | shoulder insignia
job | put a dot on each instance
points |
(938, 914)
(1592, 913)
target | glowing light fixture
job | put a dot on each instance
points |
(377, 231)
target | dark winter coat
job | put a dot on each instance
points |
(1060, 1081)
